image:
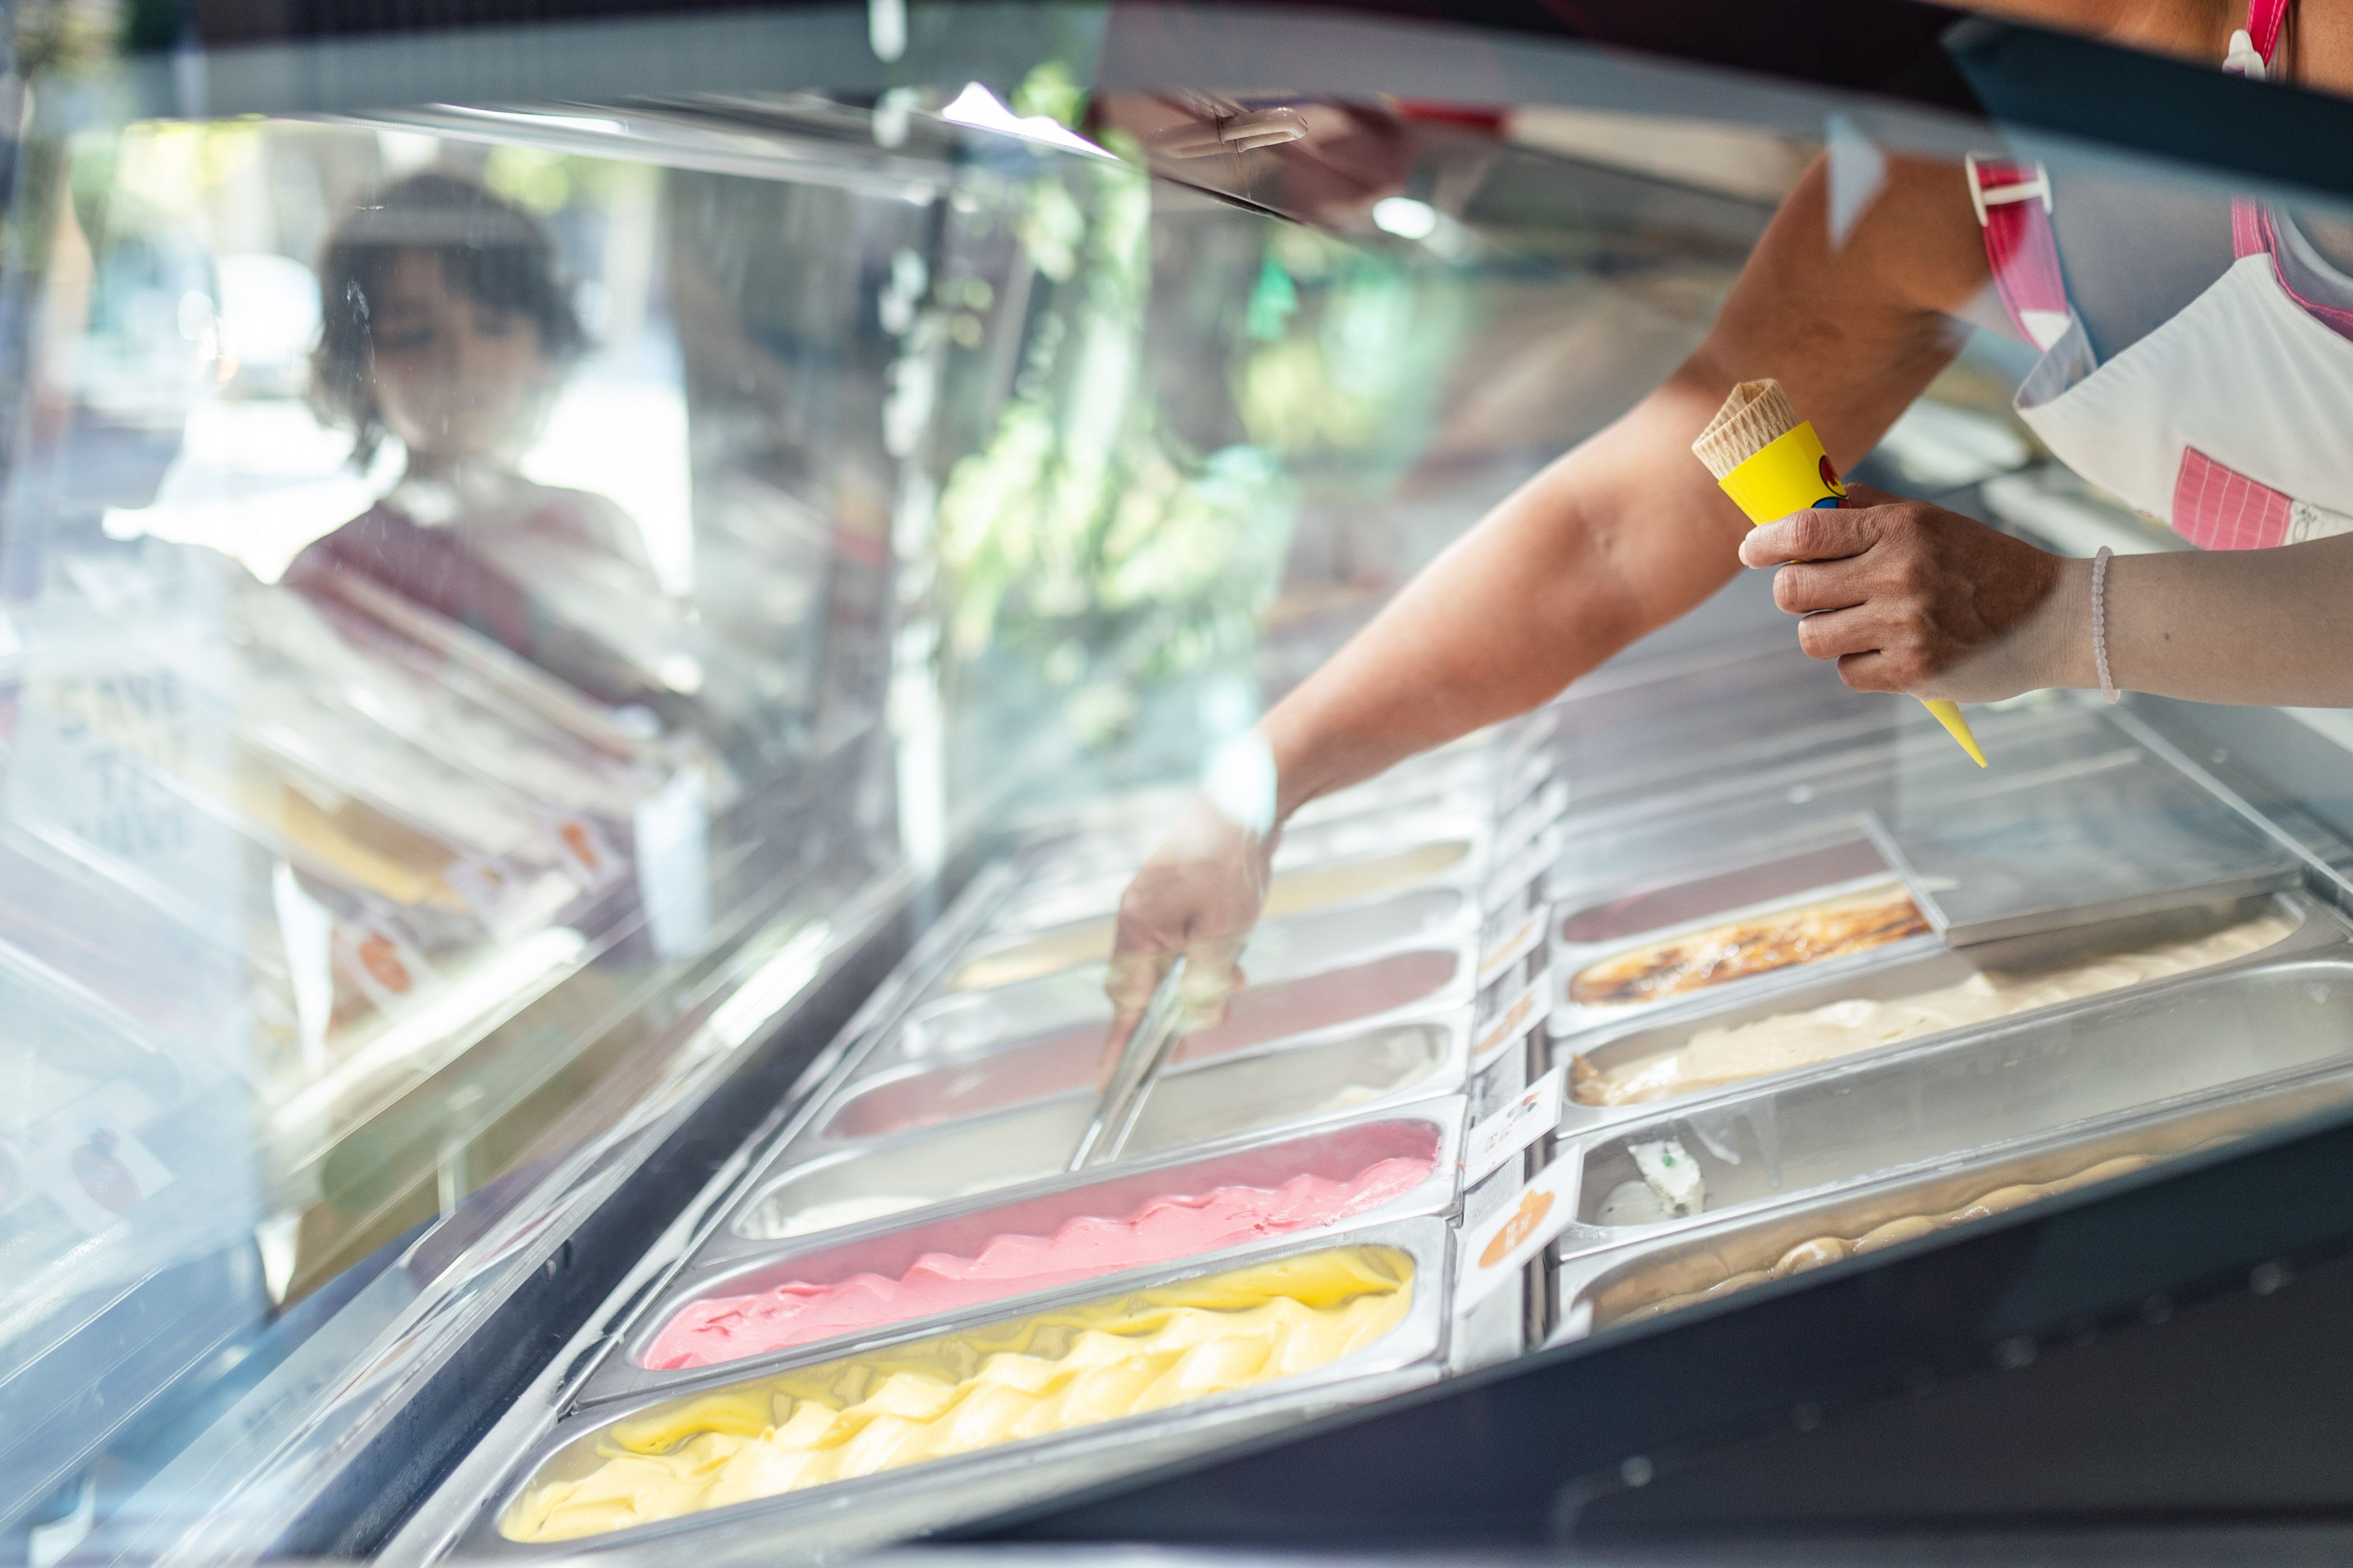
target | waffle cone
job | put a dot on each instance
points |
(1755, 414)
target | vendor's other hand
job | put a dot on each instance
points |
(1909, 597)
(1198, 895)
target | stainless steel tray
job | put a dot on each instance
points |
(1598, 1289)
(2072, 835)
(1907, 972)
(1462, 790)
(1737, 715)
(1917, 1105)
(1279, 950)
(927, 1092)
(1369, 836)
(1256, 1093)
(1743, 813)
(827, 1522)
(730, 1263)
(1571, 958)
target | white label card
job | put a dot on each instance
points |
(1515, 1017)
(1503, 1135)
(1516, 944)
(1500, 1249)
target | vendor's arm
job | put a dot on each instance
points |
(1618, 536)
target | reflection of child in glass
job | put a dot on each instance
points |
(447, 327)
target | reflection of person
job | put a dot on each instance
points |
(2198, 362)
(447, 327)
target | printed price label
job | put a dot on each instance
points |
(1503, 1135)
(1499, 1249)
(1523, 1012)
(1516, 945)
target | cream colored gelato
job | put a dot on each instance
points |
(1733, 1053)
(1640, 1297)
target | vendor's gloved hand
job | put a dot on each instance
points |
(1910, 598)
(1199, 895)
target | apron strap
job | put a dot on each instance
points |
(2013, 200)
(2265, 21)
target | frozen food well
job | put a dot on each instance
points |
(1089, 940)
(923, 1093)
(1627, 1284)
(2000, 1084)
(1806, 1024)
(1278, 950)
(1046, 1382)
(1262, 1090)
(741, 1300)
(1836, 923)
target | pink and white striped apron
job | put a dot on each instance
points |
(2229, 421)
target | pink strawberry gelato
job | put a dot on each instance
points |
(1165, 1230)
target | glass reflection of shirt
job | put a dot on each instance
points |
(442, 568)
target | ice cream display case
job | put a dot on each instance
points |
(596, 611)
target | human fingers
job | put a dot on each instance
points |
(1819, 534)
(1834, 634)
(1810, 587)
(1213, 973)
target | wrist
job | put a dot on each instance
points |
(2062, 655)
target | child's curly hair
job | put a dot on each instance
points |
(494, 252)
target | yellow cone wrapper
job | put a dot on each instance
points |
(1771, 464)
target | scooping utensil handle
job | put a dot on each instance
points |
(1148, 1047)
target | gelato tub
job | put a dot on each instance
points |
(924, 1094)
(1278, 950)
(2001, 1085)
(1926, 996)
(1627, 1285)
(1096, 1360)
(1836, 926)
(1219, 1099)
(769, 1300)
(1089, 940)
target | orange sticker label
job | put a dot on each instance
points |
(1534, 1206)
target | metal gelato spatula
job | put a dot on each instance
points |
(1156, 1033)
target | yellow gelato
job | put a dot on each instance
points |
(1725, 1054)
(1120, 1356)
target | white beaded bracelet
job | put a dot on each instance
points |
(2100, 621)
